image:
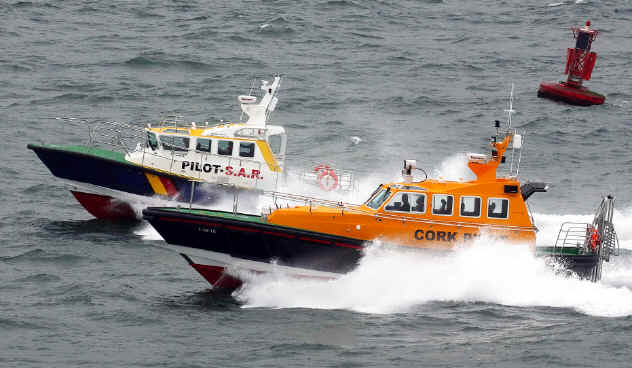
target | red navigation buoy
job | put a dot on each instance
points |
(580, 62)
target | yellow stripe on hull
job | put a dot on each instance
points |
(273, 165)
(156, 184)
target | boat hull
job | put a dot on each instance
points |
(217, 276)
(105, 207)
(561, 91)
(247, 243)
(102, 181)
(585, 266)
(225, 241)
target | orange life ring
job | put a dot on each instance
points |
(595, 239)
(327, 178)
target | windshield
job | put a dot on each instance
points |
(174, 142)
(275, 142)
(376, 201)
(152, 141)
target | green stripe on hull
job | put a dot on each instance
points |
(86, 150)
(221, 214)
(550, 251)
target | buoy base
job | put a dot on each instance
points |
(562, 91)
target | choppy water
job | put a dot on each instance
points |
(367, 84)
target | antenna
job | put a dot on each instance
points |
(510, 110)
(258, 113)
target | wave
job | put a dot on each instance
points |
(37, 279)
(395, 281)
(8, 324)
(162, 60)
(39, 255)
(337, 4)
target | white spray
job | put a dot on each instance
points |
(394, 281)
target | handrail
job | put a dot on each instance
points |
(598, 237)
(172, 121)
(117, 134)
(573, 234)
(346, 178)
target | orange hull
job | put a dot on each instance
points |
(418, 232)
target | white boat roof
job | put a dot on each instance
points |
(255, 127)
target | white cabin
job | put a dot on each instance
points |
(249, 155)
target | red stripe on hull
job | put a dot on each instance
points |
(105, 207)
(348, 245)
(314, 240)
(217, 276)
(246, 229)
(169, 187)
(282, 235)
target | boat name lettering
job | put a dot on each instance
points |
(445, 236)
(218, 169)
(468, 236)
(207, 230)
(195, 166)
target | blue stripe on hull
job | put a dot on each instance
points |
(121, 176)
(95, 170)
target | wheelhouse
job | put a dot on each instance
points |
(426, 203)
(244, 143)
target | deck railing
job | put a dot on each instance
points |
(598, 237)
(117, 134)
(573, 234)
(345, 179)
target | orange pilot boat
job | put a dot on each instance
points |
(322, 239)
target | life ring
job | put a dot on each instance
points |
(327, 178)
(595, 239)
(320, 167)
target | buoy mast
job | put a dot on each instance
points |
(580, 61)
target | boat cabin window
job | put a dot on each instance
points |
(174, 142)
(152, 141)
(407, 202)
(419, 203)
(246, 149)
(498, 208)
(225, 148)
(470, 206)
(203, 145)
(442, 204)
(376, 201)
(275, 142)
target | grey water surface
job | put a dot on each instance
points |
(412, 79)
